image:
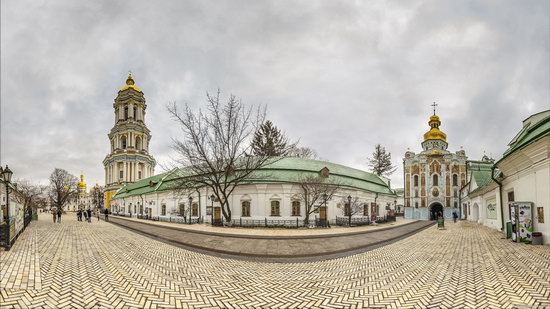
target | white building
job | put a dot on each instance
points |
(521, 175)
(276, 197)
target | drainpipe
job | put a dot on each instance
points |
(500, 195)
(200, 213)
(460, 191)
(404, 189)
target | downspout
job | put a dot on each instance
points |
(404, 189)
(500, 196)
(460, 191)
(200, 212)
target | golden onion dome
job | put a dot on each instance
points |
(434, 132)
(82, 184)
(130, 84)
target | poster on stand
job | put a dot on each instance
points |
(523, 215)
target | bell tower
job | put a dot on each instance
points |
(129, 159)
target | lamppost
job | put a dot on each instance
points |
(6, 176)
(212, 197)
(349, 210)
(324, 221)
(190, 203)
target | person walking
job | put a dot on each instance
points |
(89, 211)
(97, 212)
(85, 215)
(54, 215)
(106, 212)
(455, 216)
(59, 215)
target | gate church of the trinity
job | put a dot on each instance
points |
(433, 177)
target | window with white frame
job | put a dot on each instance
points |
(275, 208)
(245, 209)
(296, 208)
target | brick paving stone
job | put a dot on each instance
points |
(100, 265)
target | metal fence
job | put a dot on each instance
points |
(355, 221)
(268, 223)
(180, 220)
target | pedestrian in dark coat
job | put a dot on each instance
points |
(106, 211)
(89, 211)
(59, 215)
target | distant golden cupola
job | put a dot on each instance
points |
(82, 184)
(434, 132)
(130, 84)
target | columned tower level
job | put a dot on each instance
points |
(129, 160)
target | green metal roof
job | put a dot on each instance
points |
(532, 130)
(481, 173)
(283, 170)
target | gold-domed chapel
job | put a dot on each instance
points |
(434, 176)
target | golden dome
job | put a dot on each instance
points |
(82, 184)
(434, 132)
(130, 84)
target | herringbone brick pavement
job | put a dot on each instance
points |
(99, 265)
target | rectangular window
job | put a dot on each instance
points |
(275, 208)
(139, 175)
(347, 210)
(511, 196)
(195, 210)
(163, 210)
(365, 210)
(121, 174)
(245, 209)
(295, 208)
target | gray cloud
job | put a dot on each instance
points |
(340, 76)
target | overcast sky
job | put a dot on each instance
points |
(340, 76)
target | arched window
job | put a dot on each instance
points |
(347, 209)
(138, 143)
(163, 210)
(275, 208)
(123, 141)
(416, 180)
(455, 180)
(435, 181)
(195, 210)
(125, 112)
(296, 208)
(135, 113)
(245, 209)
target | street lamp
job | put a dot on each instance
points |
(190, 201)
(349, 210)
(6, 175)
(212, 197)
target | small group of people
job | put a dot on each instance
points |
(87, 215)
(56, 214)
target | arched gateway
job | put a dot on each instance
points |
(436, 210)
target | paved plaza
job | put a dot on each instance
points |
(100, 265)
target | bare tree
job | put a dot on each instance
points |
(63, 187)
(215, 147)
(352, 207)
(28, 194)
(303, 152)
(316, 190)
(97, 196)
(380, 163)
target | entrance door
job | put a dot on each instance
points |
(436, 210)
(323, 213)
(217, 213)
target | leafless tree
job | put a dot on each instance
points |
(28, 194)
(63, 187)
(214, 150)
(97, 196)
(352, 207)
(316, 190)
(303, 152)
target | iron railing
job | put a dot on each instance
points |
(355, 221)
(291, 223)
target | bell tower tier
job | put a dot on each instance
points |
(129, 159)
